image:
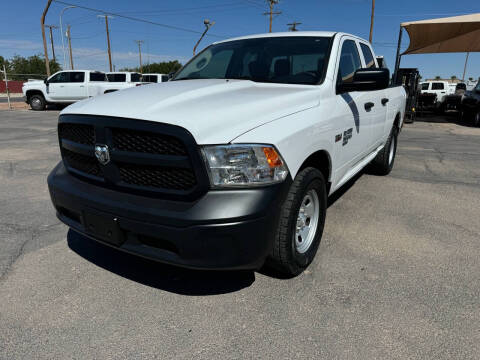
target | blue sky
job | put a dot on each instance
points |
(20, 31)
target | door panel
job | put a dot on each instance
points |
(350, 111)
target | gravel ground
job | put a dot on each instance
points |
(396, 276)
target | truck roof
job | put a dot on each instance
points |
(290, 34)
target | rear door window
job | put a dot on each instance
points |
(438, 86)
(97, 76)
(117, 77)
(77, 77)
(135, 77)
(367, 55)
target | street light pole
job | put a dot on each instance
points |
(61, 33)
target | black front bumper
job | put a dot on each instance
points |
(224, 229)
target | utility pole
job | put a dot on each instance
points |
(465, 67)
(42, 22)
(208, 24)
(69, 36)
(139, 43)
(108, 40)
(293, 26)
(371, 21)
(51, 39)
(61, 33)
(271, 12)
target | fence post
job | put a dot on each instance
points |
(6, 87)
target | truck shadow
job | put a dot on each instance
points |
(160, 276)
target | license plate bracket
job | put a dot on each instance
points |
(103, 226)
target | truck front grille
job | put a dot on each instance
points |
(79, 133)
(145, 157)
(140, 141)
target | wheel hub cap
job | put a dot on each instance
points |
(307, 221)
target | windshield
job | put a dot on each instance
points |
(286, 60)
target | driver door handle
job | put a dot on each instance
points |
(369, 105)
(385, 101)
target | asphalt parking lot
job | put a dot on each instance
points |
(397, 275)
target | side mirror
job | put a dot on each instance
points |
(366, 80)
(45, 81)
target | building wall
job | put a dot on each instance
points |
(13, 86)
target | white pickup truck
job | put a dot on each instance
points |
(229, 164)
(68, 86)
(125, 77)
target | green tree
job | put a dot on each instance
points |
(438, 77)
(164, 67)
(33, 65)
(470, 78)
(453, 77)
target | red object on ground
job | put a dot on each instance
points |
(13, 86)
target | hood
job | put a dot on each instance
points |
(214, 111)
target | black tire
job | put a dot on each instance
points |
(476, 119)
(383, 162)
(37, 102)
(285, 257)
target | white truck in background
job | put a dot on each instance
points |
(441, 89)
(229, 165)
(127, 78)
(68, 86)
(154, 78)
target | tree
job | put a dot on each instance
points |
(33, 65)
(470, 78)
(453, 77)
(438, 77)
(164, 67)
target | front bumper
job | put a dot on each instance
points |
(224, 229)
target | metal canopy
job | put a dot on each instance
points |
(444, 35)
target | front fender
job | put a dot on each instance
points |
(296, 136)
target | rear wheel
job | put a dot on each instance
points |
(37, 102)
(301, 224)
(476, 119)
(383, 162)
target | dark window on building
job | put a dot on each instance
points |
(368, 56)
(349, 61)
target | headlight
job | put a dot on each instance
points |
(244, 165)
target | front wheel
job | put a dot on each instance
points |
(301, 223)
(37, 102)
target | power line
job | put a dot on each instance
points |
(172, 27)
